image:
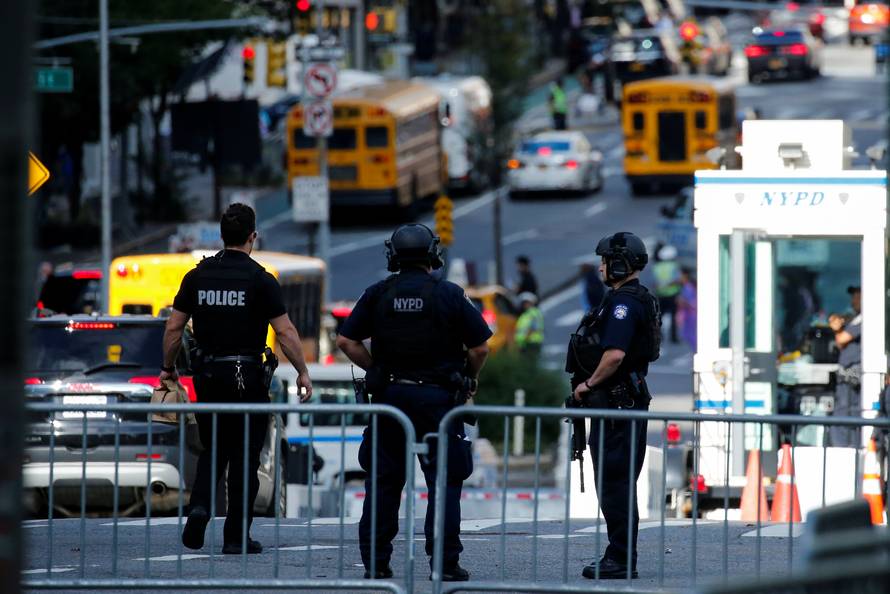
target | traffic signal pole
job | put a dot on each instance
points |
(16, 104)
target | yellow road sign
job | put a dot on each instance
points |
(38, 174)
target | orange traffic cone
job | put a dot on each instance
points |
(786, 506)
(752, 504)
(871, 484)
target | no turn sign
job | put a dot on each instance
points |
(320, 79)
(318, 118)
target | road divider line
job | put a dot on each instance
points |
(570, 319)
(520, 236)
(561, 297)
(304, 548)
(186, 557)
(596, 209)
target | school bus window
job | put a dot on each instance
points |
(342, 138)
(639, 121)
(376, 137)
(136, 309)
(701, 120)
(301, 141)
(726, 112)
(342, 113)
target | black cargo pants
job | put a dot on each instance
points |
(425, 406)
(216, 384)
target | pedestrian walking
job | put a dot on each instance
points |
(529, 333)
(526, 283)
(608, 358)
(667, 284)
(231, 301)
(847, 401)
(429, 344)
(559, 104)
(687, 308)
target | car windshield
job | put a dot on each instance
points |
(78, 346)
(545, 146)
(778, 37)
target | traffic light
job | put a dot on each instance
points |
(248, 56)
(689, 31)
(304, 5)
(276, 64)
(372, 21)
(444, 222)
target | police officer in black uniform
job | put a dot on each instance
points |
(231, 300)
(609, 357)
(428, 344)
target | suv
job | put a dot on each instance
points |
(113, 359)
(644, 54)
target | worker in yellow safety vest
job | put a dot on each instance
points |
(559, 104)
(529, 334)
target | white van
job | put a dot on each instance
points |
(467, 126)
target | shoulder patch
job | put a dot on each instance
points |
(620, 312)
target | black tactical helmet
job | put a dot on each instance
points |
(624, 253)
(412, 244)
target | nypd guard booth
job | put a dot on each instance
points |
(779, 242)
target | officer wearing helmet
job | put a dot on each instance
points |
(608, 358)
(428, 344)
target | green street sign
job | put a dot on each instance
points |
(54, 80)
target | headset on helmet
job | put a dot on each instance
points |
(624, 253)
(413, 243)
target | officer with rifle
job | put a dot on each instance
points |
(608, 358)
(428, 344)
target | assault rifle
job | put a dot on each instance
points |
(579, 436)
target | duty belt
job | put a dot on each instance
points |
(256, 359)
(408, 382)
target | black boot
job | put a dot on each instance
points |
(454, 573)
(195, 526)
(609, 570)
(234, 548)
(382, 572)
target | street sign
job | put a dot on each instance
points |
(318, 118)
(54, 80)
(309, 199)
(320, 79)
(38, 174)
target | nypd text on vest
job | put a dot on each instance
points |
(224, 298)
(407, 304)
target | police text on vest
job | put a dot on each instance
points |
(217, 297)
(407, 304)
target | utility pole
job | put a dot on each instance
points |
(105, 148)
(16, 103)
(324, 227)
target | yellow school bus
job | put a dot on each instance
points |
(671, 123)
(146, 284)
(385, 148)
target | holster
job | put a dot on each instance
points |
(270, 364)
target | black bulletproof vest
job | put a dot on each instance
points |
(227, 318)
(408, 338)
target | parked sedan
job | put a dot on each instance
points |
(783, 53)
(555, 161)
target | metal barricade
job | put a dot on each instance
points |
(123, 573)
(526, 573)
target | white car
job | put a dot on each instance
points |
(555, 161)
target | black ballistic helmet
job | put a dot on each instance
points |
(624, 253)
(413, 244)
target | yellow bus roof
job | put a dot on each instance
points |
(399, 97)
(709, 83)
(280, 262)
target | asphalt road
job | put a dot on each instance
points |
(492, 551)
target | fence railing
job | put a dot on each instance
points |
(51, 466)
(753, 425)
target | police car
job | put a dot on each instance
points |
(555, 161)
(109, 360)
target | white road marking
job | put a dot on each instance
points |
(53, 570)
(478, 525)
(570, 319)
(304, 548)
(601, 528)
(777, 531)
(596, 209)
(188, 557)
(154, 522)
(520, 236)
(861, 115)
(320, 522)
(554, 349)
(561, 297)
(555, 536)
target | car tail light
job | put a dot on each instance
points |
(150, 380)
(514, 164)
(672, 433)
(489, 316)
(144, 457)
(545, 151)
(91, 326)
(698, 485)
(122, 270)
(33, 381)
(778, 33)
(571, 164)
(798, 49)
(755, 51)
(86, 274)
(341, 312)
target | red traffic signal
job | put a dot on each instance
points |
(688, 31)
(372, 21)
(248, 53)
(304, 5)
